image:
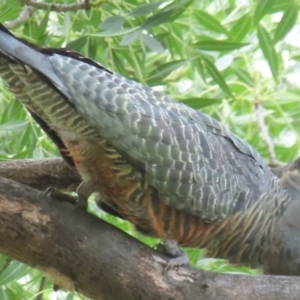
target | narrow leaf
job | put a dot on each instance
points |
(262, 8)
(112, 23)
(200, 102)
(286, 23)
(280, 5)
(145, 9)
(216, 75)
(214, 45)
(210, 22)
(296, 57)
(78, 44)
(164, 70)
(41, 32)
(129, 38)
(268, 50)
(115, 32)
(157, 19)
(152, 43)
(244, 76)
(241, 27)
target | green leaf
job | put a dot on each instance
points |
(152, 43)
(241, 27)
(262, 8)
(115, 32)
(286, 23)
(41, 32)
(296, 57)
(214, 45)
(280, 5)
(157, 19)
(164, 70)
(129, 38)
(268, 50)
(14, 125)
(198, 103)
(216, 75)
(119, 64)
(112, 24)
(145, 9)
(78, 44)
(14, 271)
(67, 25)
(180, 7)
(244, 76)
(210, 22)
(9, 11)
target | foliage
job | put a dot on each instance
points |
(228, 58)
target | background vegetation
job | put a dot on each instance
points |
(236, 60)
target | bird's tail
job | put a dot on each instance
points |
(13, 48)
(282, 256)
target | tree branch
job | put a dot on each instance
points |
(41, 173)
(87, 4)
(80, 252)
(273, 161)
(23, 16)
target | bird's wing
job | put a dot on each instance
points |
(194, 162)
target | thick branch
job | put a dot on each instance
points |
(79, 251)
(41, 173)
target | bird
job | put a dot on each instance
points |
(174, 172)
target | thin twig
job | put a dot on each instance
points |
(259, 109)
(86, 4)
(22, 17)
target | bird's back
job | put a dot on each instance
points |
(172, 171)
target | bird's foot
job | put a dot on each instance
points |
(177, 258)
(84, 190)
(59, 195)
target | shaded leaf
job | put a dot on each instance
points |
(14, 125)
(216, 75)
(41, 33)
(152, 43)
(262, 8)
(145, 9)
(210, 22)
(286, 23)
(280, 5)
(241, 27)
(129, 38)
(296, 57)
(14, 271)
(78, 44)
(157, 19)
(112, 24)
(268, 50)
(200, 102)
(244, 76)
(164, 70)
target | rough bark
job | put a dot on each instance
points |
(41, 173)
(81, 252)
